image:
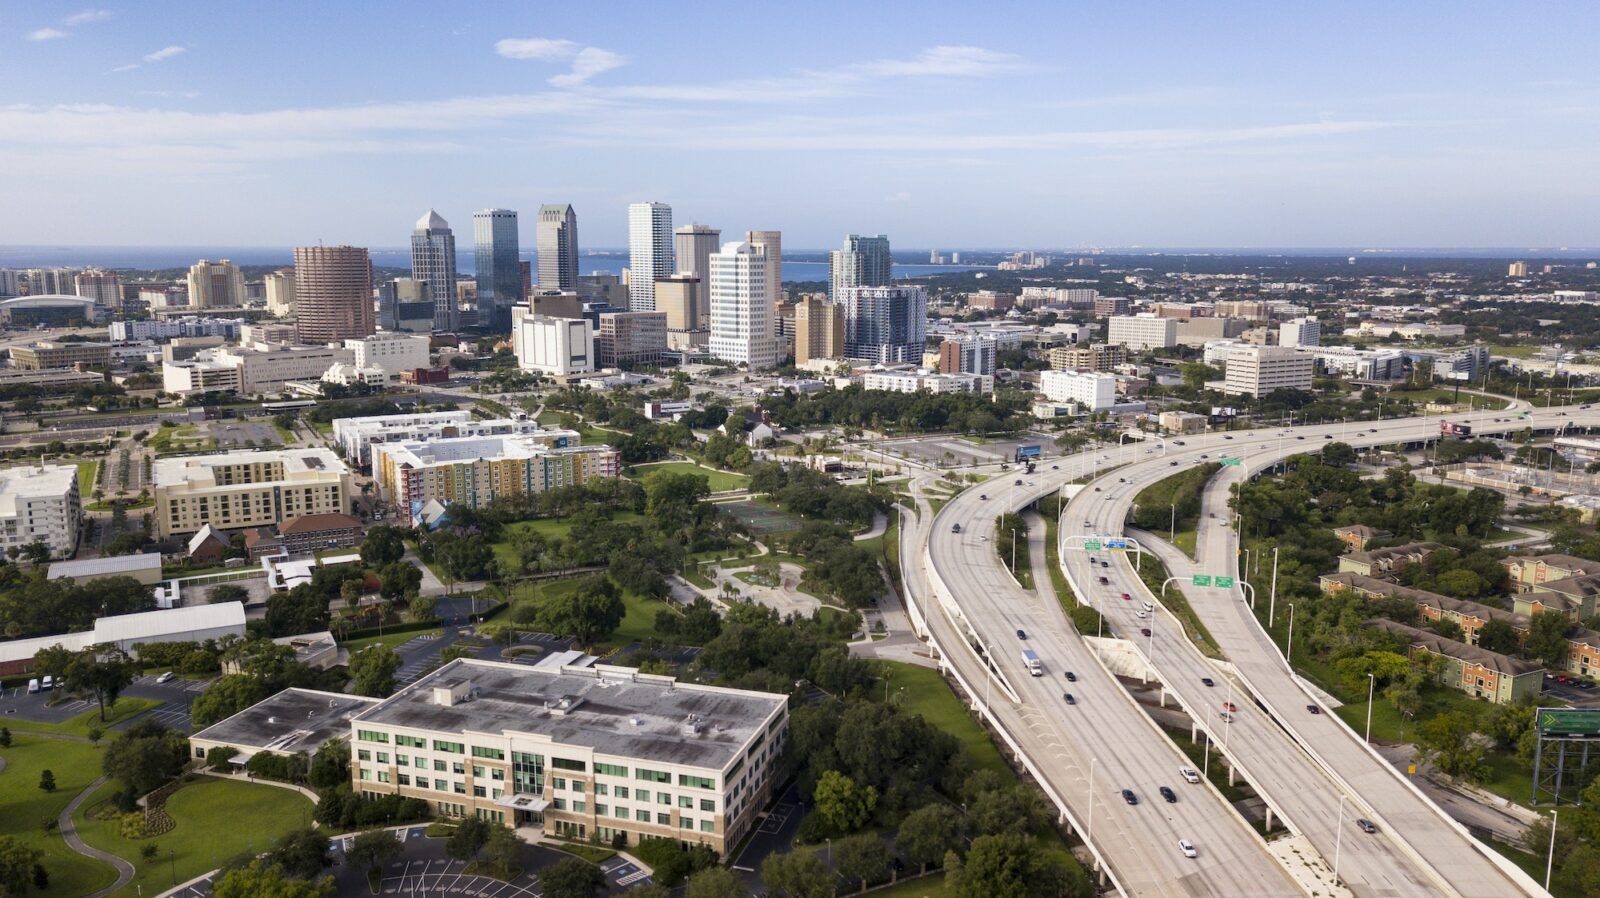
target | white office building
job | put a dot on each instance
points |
(1300, 332)
(392, 352)
(554, 346)
(1361, 364)
(926, 381)
(40, 504)
(649, 252)
(741, 310)
(1144, 331)
(1259, 370)
(357, 436)
(263, 369)
(1093, 391)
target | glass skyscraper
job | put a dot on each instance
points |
(433, 259)
(498, 270)
(557, 242)
(861, 262)
(884, 324)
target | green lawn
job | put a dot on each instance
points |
(215, 818)
(86, 478)
(1513, 351)
(80, 725)
(637, 625)
(389, 639)
(1154, 573)
(75, 765)
(930, 886)
(718, 480)
(552, 528)
(923, 691)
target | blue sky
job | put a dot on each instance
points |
(1059, 124)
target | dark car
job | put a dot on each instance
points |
(1144, 631)
(1129, 797)
(1313, 709)
(1226, 706)
(1301, 437)
(1169, 795)
(1055, 467)
(1208, 681)
(1227, 436)
(1021, 635)
(1367, 826)
(1017, 483)
(1177, 442)
(1172, 464)
(1067, 697)
(1072, 677)
(1104, 581)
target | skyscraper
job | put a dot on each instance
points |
(333, 293)
(215, 284)
(861, 262)
(557, 242)
(104, 287)
(433, 259)
(741, 311)
(884, 324)
(280, 291)
(694, 244)
(771, 244)
(498, 271)
(649, 252)
(818, 330)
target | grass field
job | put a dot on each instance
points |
(75, 765)
(81, 724)
(86, 478)
(924, 691)
(1518, 351)
(717, 480)
(930, 886)
(552, 528)
(215, 818)
(389, 639)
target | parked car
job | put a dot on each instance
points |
(1144, 631)
(1104, 582)
(164, 677)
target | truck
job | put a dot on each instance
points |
(1453, 429)
(1030, 660)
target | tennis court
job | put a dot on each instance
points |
(762, 519)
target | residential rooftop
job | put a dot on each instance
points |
(426, 453)
(1442, 645)
(612, 710)
(291, 721)
(200, 470)
(34, 481)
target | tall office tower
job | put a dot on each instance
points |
(433, 259)
(741, 310)
(649, 252)
(694, 244)
(678, 296)
(818, 330)
(405, 304)
(280, 292)
(526, 269)
(1300, 332)
(884, 324)
(333, 293)
(104, 287)
(557, 242)
(771, 243)
(215, 284)
(497, 268)
(861, 262)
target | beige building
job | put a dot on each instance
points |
(53, 354)
(247, 489)
(265, 369)
(678, 297)
(771, 244)
(332, 293)
(604, 752)
(215, 285)
(818, 330)
(1258, 370)
(104, 287)
(1095, 357)
(631, 338)
(1142, 331)
(40, 503)
(280, 292)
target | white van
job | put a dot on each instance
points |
(33, 685)
(48, 684)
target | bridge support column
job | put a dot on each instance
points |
(1230, 774)
(1269, 819)
(1161, 696)
(1194, 733)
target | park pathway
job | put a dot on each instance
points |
(69, 831)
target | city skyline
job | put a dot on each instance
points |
(941, 125)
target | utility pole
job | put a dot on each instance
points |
(1272, 603)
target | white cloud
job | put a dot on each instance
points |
(587, 62)
(164, 53)
(47, 34)
(942, 61)
(126, 68)
(87, 16)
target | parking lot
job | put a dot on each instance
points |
(242, 435)
(1580, 693)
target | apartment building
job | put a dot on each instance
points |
(247, 489)
(40, 504)
(357, 436)
(1106, 306)
(1475, 671)
(1576, 597)
(1094, 357)
(1259, 370)
(1431, 606)
(1142, 331)
(554, 346)
(604, 752)
(1530, 570)
(917, 381)
(474, 471)
(968, 354)
(1094, 392)
(1386, 562)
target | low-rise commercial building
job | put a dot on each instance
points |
(1182, 422)
(264, 370)
(389, 351)
(474, 471)
(1259, 370)
(293, 721)
(144, 567)
(40, 504)
(1094, 392)
(247, 489)
(918, 381)
(55, 354)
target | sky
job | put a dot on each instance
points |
(949, 125)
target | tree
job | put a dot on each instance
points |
(47, 781)
(1010, 809)
(423, 607)
(716, 882)
(928, 832)
(350, 592)
(572, 878)
(397, 578)
(590, 611)
(302, 853)
(843, 805)
(1338, 454)
(264, 879)
(145, 756)
(502, 850)
(227, 696)
(465, 559)
(373, 849)
(227, 592)
(5, 737)
(1498, 636)
(372, 671)
(17, 861)
(104, 678)
(1547, 638)
(382, 545)
(1013, 866)
(1450, 740)
(468, 839)
(797, 874)
(1579, 873)
(862, 858)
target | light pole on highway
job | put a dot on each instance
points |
(1338, 838)
(1372, 684)
(1089, 835)
(1550, 860)
(1272, 603)
(1289, 651)
(1172, 523)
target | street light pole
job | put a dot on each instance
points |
(1272, 603)
(1338, 839)
(1372, 684)
(1172, 523)
(1550, 860)
(1288, 653)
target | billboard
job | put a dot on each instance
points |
(1031, 451)
(1569, 722)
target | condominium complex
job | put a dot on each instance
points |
(40, 504)
(332, 293)
(555, 346)
(884, 324)
(926, 381)
(1094, 392)
(433, 259)
(968, 354)
(1300, 332)
(631, 338)
(603, 752)
(1258, 370)
(818, 330)
(104, 287)
(474, 471)
(247, 489)
(649, 252)
(742, 327)
(1093, 357)
(556, 238)
(357, 436)
(215, 284)
(861, 262)
(496, 267)
(1142, 331)
(279, 287)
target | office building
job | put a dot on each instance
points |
(159, 298)
(1035, 297)
(1200, 331)
(771, 245)
(555, 346)
(40, 504)
(476, 470)
(597, 752)
(678, 297)
(247, 489)
(967, 354)
(1106, 306)
(742, 331)
(649, 252)
(1465, 364)
(630, 338)
(496, 267)
(279, 287)
(255, 369)
(333, 293)
(104, 287)
(818, 329)
(1091, 390)
(1142, 331)
(357, 436)
(991, 300)
(391, 352)
(556, 239)
(694, 244)
(1248, 309)
(55, 354)
(405, 304)
(884, 324)
(433, 259)
(215, 285)
(1258, 370)
(926, 381)
(861, 262)
(1299, 332)
(1517, 270)
(1361, 364)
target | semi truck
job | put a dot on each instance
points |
(1453, 429)
(1030, 659)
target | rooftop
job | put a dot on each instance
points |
(613, 710)
(101, 567)
(424, 453)
(32, 482)
(1441, 645)
(199, 470)
(293, 720)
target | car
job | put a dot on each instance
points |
(1227, 436)
(1226, 706)
(1208, 681)
(33, 685)
(1144, 631)
(1072, 677)
(1105, 564)
(1177, 442)
(1189, 774)
(1365, 825)
(955, 528)
(1129, 797)
(1206, 455)
(1122, 480)
(1141, 614)
(1226, 717)
(1055, 467)
(1372, 430)
(1017, 482)
(1327, 436)
(1170, 796)
(1021, 635)
(1148, 606)
(1300, 437)
(1067, 697)
(1126, 597)
(164, 677)
(47, 683)
(1187, 847)
(1097, 489)
(1087, 525)
(1313, 709)
(1172, 464)
(983, 496)
(1104, 582)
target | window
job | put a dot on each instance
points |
(438, 765)
(458, 768)
(685, 801)
(400, 761)
(480, 792)
(558, 782)
(697, 782)
(579, 807)
(365, 774)
(371, 736)
(652, 776)
(685, 823)
(455, 748)
(441, 785)
(363, 755)
(559, 804)
(622, 791)
(621, 813)
(419, 761)
(707, 804)
(495, 754)
(403, 779)
(496, 773)
(663, 798)
(383, 757)
(664, 819)
(577, 785)
(601, 789)
(708, 826)
(602, 810)
(610, 769)
(460, 788)
(564, 764)
(410, 741)
(477, 772)
(383, 776)
(642, 816)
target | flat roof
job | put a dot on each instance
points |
(612, 710)
(33, 481)
(290, 721)
(111, 564)
(197, 470)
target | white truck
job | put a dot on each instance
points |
(1030, 659)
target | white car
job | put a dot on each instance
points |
(1141, 614)
(164, 677)
(1187, 847)
(1189, 774)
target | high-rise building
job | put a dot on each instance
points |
(694, 244)
(968, 354)
(497, 270)
(649, 252)
(818, 330)
(333, 293)
(1300, 332)
(770, 243)
(1517, 270)
(557, 242)
(215, 285)
(556, 346)
(678, 297)
(1259, 370)
(1142, 331)
(11, 282)
(1095, 392)
(280, 292)
(405, 304)
(861, 262)
(50, 281)
(884, 324)
(741, 310)
(433, 259)
(630, 338)
(526, 273)
(104, 287)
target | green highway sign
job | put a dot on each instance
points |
(1224, 582)
(1230, 462)
(1201, 579)
(1569, 722)
(1091, 545)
